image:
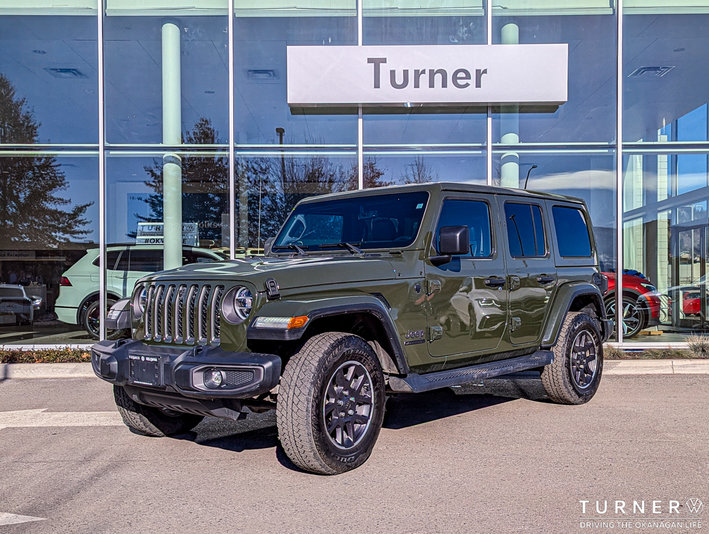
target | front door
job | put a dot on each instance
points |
(467, 308)
(531, 269)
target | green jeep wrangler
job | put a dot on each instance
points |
(360, 295)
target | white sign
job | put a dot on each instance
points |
(152, 234)
(401, 75)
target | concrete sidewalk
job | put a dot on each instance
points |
(611, 367)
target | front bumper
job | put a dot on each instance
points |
(179, 371)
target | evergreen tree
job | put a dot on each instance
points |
(33, 208)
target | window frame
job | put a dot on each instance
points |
(525, 202)
(493, 240)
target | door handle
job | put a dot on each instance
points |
(545, 279)
(494, 282)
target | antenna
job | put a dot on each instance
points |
(528, 173)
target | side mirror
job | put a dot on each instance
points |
(452, 241)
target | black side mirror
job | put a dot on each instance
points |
(452, 241)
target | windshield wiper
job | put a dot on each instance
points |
(349, 246)
(290, 246)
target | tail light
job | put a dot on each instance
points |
(64, 281)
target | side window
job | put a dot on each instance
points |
(474, 214)
(148, 261)
(111, 257)
(571, 232)
(525, 230)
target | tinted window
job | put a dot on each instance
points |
(525, 230)
(571, 232)
(476, 216)
(380, 221)
(146, 260)
(111, 258)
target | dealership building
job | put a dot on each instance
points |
(152, 133)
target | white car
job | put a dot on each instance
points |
(78, 289)
(15, 301)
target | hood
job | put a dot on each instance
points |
(289, 272)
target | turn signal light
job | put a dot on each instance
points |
(297, 322)
(64, 281)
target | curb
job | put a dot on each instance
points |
(611, 367)
(45, 370)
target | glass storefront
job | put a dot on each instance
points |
(158, 83)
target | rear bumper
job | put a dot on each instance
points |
(178, 372)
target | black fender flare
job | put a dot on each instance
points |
(320, 309)
(566, 294)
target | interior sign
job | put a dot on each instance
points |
(403, 75)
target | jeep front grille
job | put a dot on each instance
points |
(183, 314)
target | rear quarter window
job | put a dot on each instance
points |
(571, 232)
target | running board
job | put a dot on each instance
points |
(414, 383)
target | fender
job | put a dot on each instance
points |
(565, 296)
(328, 307)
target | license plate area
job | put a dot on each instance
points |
(145, 370)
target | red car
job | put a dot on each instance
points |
(641, 305)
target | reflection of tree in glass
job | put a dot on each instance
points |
(32, 213)
(373, 176)
(418, 172)
(205, 185)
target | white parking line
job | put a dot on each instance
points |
(14, 519)
(42, 418)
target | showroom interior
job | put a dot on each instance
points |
(122, 122)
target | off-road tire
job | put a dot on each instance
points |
(557, 378)
(302, 398)
(151, 421)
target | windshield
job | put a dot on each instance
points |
(382, 221)
(11, 292)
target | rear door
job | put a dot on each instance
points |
(532, 276)
(467, 310)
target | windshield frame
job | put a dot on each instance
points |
(286, 248)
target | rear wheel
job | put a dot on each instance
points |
(152, 421)
(91, 317)
(574, 375)
(634, 314)
(331, 404)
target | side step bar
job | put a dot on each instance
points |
(414, 383)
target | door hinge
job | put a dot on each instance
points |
(515, 323)
(434, 333)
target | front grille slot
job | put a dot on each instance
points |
(183, 314)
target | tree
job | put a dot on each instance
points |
(33, 211)
(372, 176)
(418, 172)
(205, 185)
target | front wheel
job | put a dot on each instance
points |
(331, 404)
(574, 375)
(152, 421)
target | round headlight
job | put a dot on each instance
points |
(237, 304)
(243, 301)
(140, 298)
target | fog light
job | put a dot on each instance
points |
(213, 378)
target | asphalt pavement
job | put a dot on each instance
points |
(495, 457)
